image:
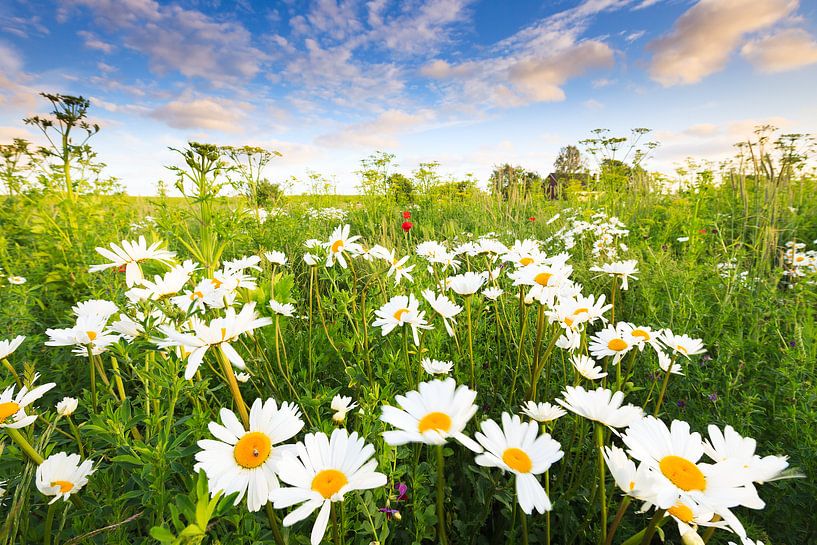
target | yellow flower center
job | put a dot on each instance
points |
(617, 345)
(337, 246)
(580, 311)
(682, 349)
(223, 333)
(216, 282)
(252, 449)
(196, 295)
(399, 314)
(525, 261)
(91, 335)
(681, 512)
(542, 278)
(328, 482)
(434, 421)
(7, 409)
(632, 486)
(682, 473)
(641, 333)
(517, 459)
(65, 486)
(569, 321)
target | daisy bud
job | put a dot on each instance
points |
(67, 406)
(691, 537)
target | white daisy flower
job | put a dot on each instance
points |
(339, 243)
(17, 280)
(730, 446)
(681, 344)
(570, 340)
(321, 471)
(244, 460)
(311, 259)
(401, 311)
(586, 367)
(664, 361)
(61, 475)
(600, 405)
(493, 293)
(445, 307)
(436, 411)
(276, 258)
(7, 348)
(341, 405)
(542, 412)
(614, 341)
(129, 255)
(67, 406)
(242, 377)
(284, 309)
(517, 447)
(162, 286)
(467, 283)
(623, 270)
(12, 407)
(437, 367)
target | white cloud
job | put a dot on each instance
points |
(189, 112)
(786, 50)
(381, 132)
(93, 42)
(703, 38)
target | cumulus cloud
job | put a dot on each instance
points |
(178, 39)
(381, 132)
(93, 42)
(786, 50)
(188, 112)
(703, 38)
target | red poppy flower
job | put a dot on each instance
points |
(532, 218)
(702, 231)
(407, 225)
(406, 214)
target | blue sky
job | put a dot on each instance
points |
(467, 83)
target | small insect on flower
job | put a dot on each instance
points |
(61, 475)
(244, 461)
(12, 408)
(321, 470)
(341, 405)
(517, 447)
(436, 411)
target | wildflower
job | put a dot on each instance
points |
(284, 309)
(445, 307)
(276, 258)
(311, 260)
(402, 491)
(67, 406)
(321, 470)
(729, 446)
(244, 460)
(7, 348)
(542, 412)
(162, 286)
(467, 283)
(406, 226)
(220, 332)
(339, 243)
(341, 405)
(129, 255)
(90, 330)
(517, 447)
(570, 340)
(623, 270)
(664, 361)
(400, 311)
(17, 280)
(61, 475)
(586, 367)
(242, 377)
(406, 214)
(399, 269)
(12, 408)
(683, 239)
(493, 293)
(612, 341)
(636, 482)
(681, 344)
(600, 405)
(436, 411)
(437, 367)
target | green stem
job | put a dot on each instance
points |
(441, 496)
(524, 519)
(273, 523)
(24, 445)
(470, 341)
(335, 532)
(10, 367)
(547, 513)
(650, 530)
(75, 431)
(93, 378)
(664, 387)
(49, 522)
(602, 484)
(622, 509)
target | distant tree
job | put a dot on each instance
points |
(268, 194)
(401, 188)
(68, 113)
(569, 163)
(514, 183)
